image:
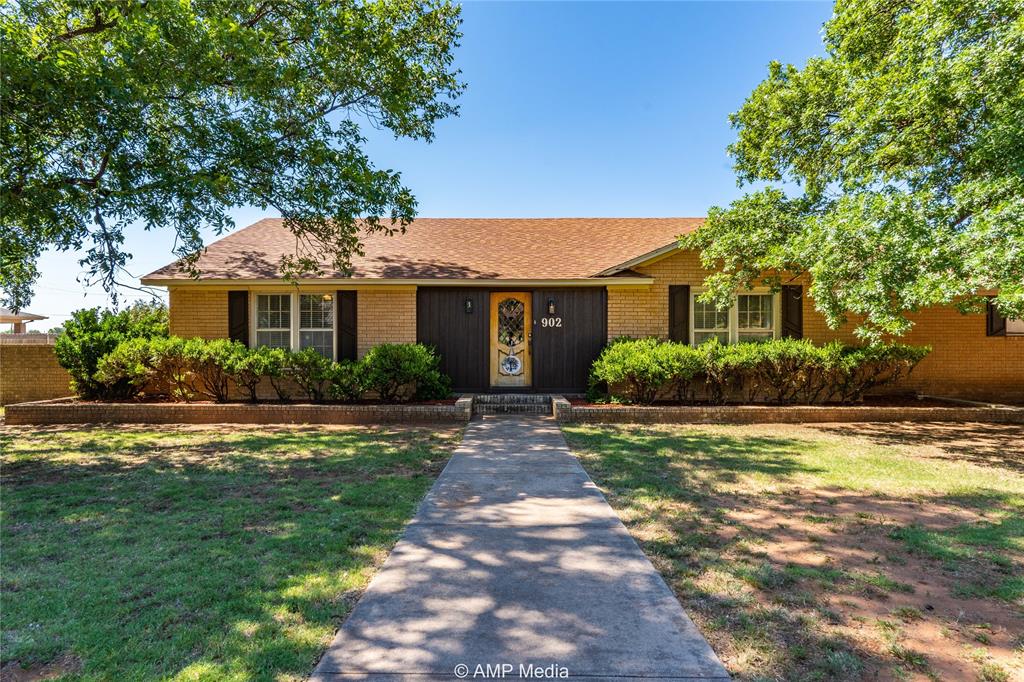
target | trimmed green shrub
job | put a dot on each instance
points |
(346, 381)
(193, 367)
(247, 368)
(210, 363)
(400, 371)
(718, 376)
(92, 333)
(685, 367)
(865, 367)
(126, 370)
(312, 372)
(635, 364)
(171, 363)
(779, 371)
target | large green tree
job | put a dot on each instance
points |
(891, 170)
(168, 113)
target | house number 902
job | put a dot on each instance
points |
(551, 322)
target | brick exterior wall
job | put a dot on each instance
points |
(640, 312)
(198, 312)
(30, 372)
(385, 316)
(964, 362)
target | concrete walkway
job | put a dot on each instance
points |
(516, 559)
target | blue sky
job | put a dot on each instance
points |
(572, 109)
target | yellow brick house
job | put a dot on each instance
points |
(527, 304)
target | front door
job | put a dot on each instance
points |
(511, 325)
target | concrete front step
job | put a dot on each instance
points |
(512, 403)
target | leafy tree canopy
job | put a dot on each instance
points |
(168, 113)
(906, 144)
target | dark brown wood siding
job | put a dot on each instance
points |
(562, 355)
(461, 338)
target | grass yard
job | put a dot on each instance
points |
(196, 553)
(832, 551)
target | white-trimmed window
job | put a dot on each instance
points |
(755, 319)
(316, 323)
(295, 321)
(708, 322)
(752, 317)
(274, 320)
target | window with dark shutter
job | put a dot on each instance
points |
(238, 316)
(792, 312)
(347, 316)
(679, 313)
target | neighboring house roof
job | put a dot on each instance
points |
(8, 315)
(456, 248)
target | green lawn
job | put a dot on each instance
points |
(213, 553)
(831, 552)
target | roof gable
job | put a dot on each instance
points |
(456, 248)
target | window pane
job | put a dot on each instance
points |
(273, 311)
(755, 311)
(316, 311)
(701, 337)
(706, 316)
(1014, 326)
(273, 339)
(322, 341)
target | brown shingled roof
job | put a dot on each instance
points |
(456, 248)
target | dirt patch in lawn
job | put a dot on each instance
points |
(65, 665)
(829, 552)
(839, 551)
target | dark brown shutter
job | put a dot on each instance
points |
(346, 303)
(238, 316)
(995, 324)
(793, 312)
(679, 313)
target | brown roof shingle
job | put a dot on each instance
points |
(455, 248)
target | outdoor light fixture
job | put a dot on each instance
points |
(551, 306)
(469, 306)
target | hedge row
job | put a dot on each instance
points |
(780, 371)
(190, 368)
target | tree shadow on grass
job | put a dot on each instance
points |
(235, 553)
(1000, 445)
(780, 583)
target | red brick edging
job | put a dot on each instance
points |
(564, 411)
(69, 411)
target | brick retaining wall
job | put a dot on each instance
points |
(69, 411)
(566, 412)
